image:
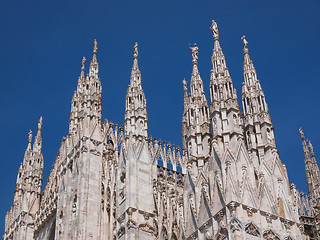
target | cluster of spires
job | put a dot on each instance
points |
(312, 171)
(227, 123)
(29, 178)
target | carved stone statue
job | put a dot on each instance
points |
(194, 51)
(184, 82)
(245, 42)
(30, 136)
(214, 29)
(135, 49)
(40, 123)
(95, 46)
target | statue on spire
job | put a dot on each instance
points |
(30, 136)
(83, 62)
(184, 82)
(245, 42)
(40, 124)
(301, 133)
(135, 49)
(95, 46)
(214, 29)
(194, 51)
(82, 67)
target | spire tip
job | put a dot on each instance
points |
(215, 31)
(40, 124)
(30, 136)
(135, 49)
(95, 46)
(245, 42)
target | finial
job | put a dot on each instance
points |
(135, 49)
(194, 51)
(215, 31)
(185, 89)
(301, 133)
(95, 46)
(40, 124)
(94, 57)
(30, 136)
(82, 67)
(245, 42)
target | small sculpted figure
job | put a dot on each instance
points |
(135, 49)
(194, 51)
(245, 42)
(40, 124)
(214, 29)
(30, 136)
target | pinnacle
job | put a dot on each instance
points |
(95, 49)
(40, 124)
(135, 73)
(135, 57)
(82, 67)
(94, 69)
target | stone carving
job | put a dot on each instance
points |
(105, 194)
(208, 235)
(30, 136)
(252, 229)
(270, 235)
(194, 51)
(135, 49)
(214, 29)
(235, 224)
(245, 42)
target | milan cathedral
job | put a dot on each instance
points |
(117, 182)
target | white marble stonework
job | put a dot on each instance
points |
(115, 182)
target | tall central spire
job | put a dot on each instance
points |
(136, 118)
(225, 112)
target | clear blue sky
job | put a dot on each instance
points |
(42, 44)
